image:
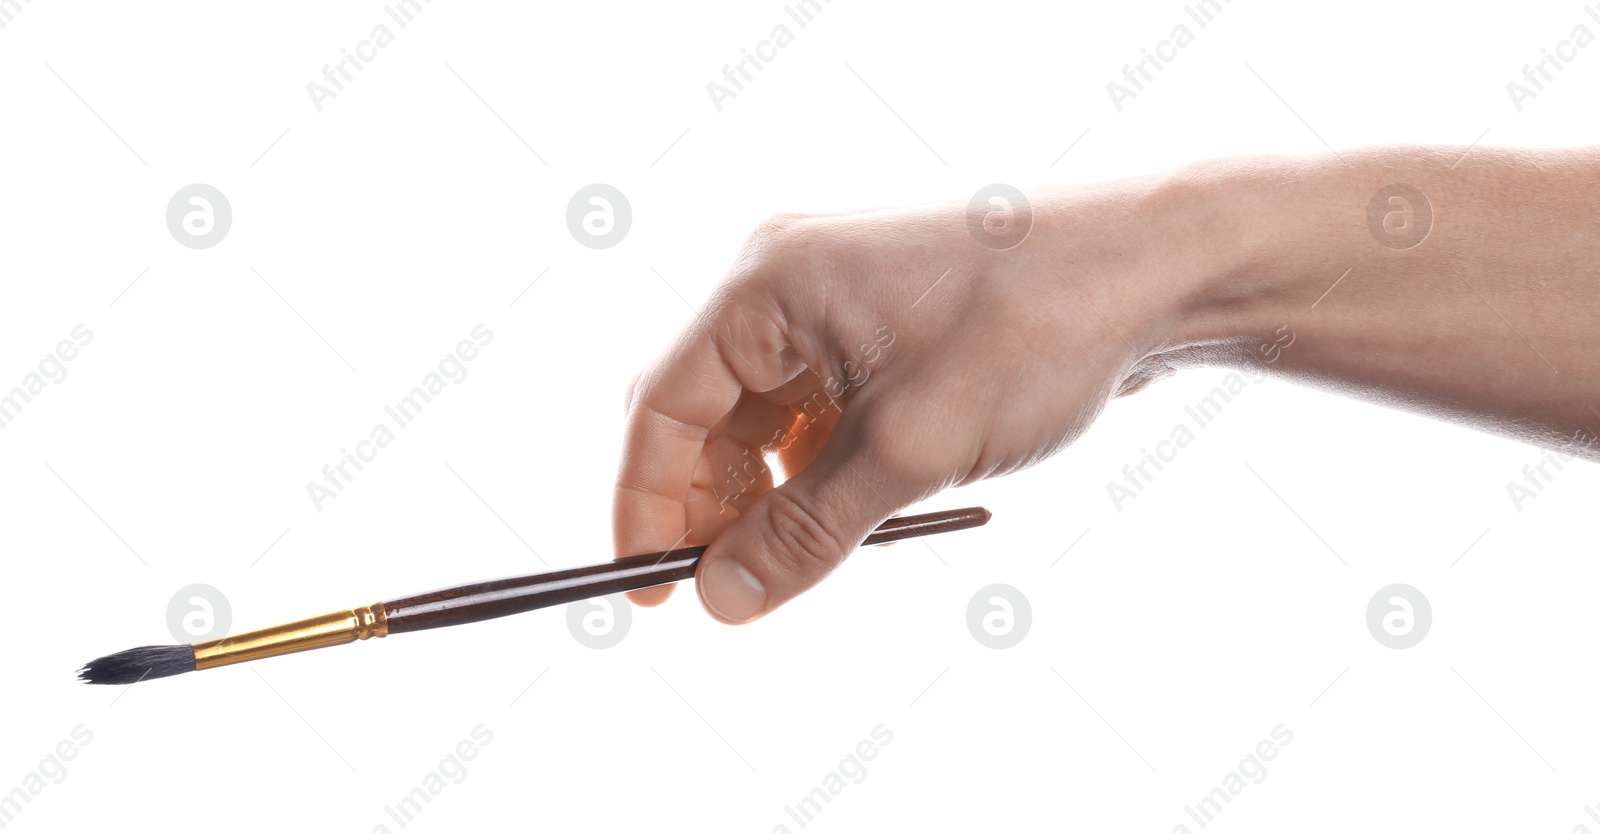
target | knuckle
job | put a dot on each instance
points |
(778, 225)
(802, 543)
(632, 393)
(777, 242)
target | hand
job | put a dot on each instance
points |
(882, 357)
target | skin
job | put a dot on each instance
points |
(886, 355)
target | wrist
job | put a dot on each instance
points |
(1265, 237)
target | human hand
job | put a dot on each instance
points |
(882, 357)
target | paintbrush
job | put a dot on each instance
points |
(458, 605)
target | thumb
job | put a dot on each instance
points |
(795, 535)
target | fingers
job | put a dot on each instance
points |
(805, 436)
(795, 535)
(694, 418)
(734, 468)
(684, 415)
(671, 415)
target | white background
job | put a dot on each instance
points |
(1169, 640)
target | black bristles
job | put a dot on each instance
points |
(139, 664)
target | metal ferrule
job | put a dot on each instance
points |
(301, 635)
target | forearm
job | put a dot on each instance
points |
(1490, 319)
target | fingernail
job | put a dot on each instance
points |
(731, 591)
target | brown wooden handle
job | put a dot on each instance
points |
(516, 594)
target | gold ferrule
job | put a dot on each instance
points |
(333, 629)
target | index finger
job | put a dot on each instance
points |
(675, 406)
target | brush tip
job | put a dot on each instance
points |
(139, 664)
